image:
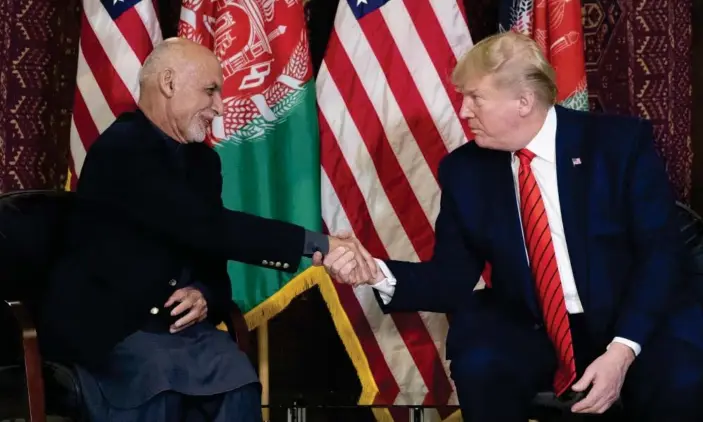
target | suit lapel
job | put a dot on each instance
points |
(511, 228)
(572, 160)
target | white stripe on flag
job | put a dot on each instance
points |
(401, 139)
(453, 24)
(77, 149)
(147, 13)
(353, 148)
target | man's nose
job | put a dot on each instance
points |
(466, 113)
(217, 104)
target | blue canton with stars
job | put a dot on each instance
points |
(117, 7)
(362, 8)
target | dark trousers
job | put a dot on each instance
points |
(507, 360)
(240, 405)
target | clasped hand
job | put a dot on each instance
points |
(348, 261)
(191, 300)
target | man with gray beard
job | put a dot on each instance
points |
(135, 298)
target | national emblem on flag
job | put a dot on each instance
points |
(263, 48)
(556, 26)
(267, 139)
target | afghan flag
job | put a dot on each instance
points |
(268, 138)
(556, 26)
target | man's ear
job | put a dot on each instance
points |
(167, 82)
(527, 102)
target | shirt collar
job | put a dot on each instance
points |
(544, 143)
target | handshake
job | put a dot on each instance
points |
(349, 262)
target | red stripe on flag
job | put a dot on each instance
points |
(437, 45)
(354, 206)
(85, 126)
(401, 196)
(406, 93)
(113, 88)
(134, 32)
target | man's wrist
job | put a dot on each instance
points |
(315, 242)
(623, 350)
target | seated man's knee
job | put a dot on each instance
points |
(479, 368)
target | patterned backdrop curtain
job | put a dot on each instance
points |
(37, 77)
(638, 61)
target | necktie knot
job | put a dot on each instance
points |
(525, 156)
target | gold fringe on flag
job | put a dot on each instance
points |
(317, 276)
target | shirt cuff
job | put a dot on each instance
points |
(385, 287)
(629, 343)
(315, 242)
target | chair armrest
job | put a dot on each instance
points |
(238, 329)
(32, 361)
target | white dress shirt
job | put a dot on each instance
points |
(545, 171)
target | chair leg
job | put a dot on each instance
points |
(35, 382)
(32, 362)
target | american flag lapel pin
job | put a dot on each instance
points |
(575, 161)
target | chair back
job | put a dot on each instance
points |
(32, 225)
(692, 229)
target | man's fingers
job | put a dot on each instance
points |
(602, 408)
(334, 256)
(586, 380)
(368, 258)
(365, 271)
(343, 261)
(591, 401)
(176, 296)
(317, 259)
(186, 321)
(347, 268)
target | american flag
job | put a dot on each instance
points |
(388, 114)
(116, 37)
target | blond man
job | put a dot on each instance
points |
(575, 214)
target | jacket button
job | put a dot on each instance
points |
(264, 262)
(278, 264)
(286, 265)
(154, 310)
(172, 282)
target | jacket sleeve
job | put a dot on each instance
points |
(449, 277)
(656, 240)
(136, 181)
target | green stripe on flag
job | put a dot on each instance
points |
(273, 170)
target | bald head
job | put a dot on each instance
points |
(179, 86)
(173, 53)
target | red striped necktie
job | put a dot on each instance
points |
(543, 264)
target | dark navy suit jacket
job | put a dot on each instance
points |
(620, 223)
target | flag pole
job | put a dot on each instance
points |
(263, 343)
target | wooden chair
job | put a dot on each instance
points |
(31, 226)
